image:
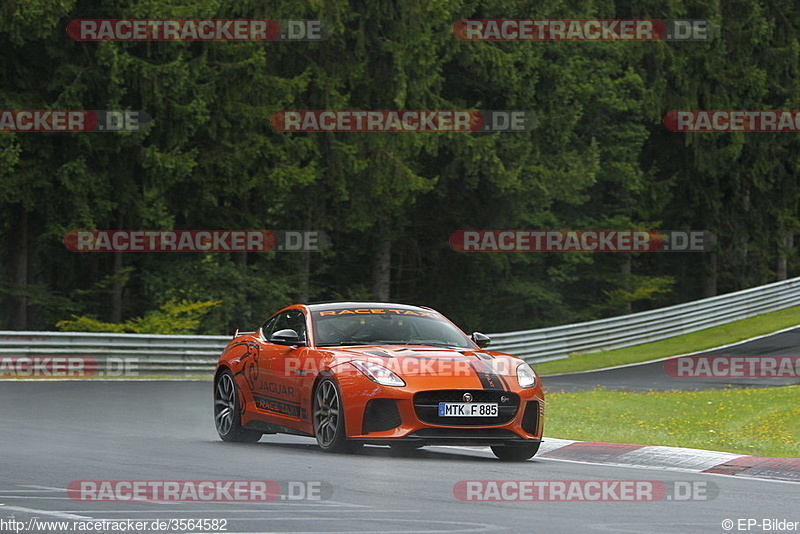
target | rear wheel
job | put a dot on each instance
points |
(515, 453)
(227, 411)
(329, 418)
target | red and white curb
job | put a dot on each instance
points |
(671, 458)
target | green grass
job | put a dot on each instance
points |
(757, 422)
(700, 340)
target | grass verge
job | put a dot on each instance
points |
(757, 422)
(700, 340)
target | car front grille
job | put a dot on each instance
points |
(426, 405)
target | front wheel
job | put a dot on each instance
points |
(515, 453)
(227, 411)
(329, 418)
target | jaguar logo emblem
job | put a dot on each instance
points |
(467, 397)
(504, 399)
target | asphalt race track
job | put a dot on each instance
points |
(55, 433)
(652, 375)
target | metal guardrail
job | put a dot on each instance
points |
(545, 344)
(119, 355)
(144, 354)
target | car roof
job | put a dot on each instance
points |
(325, 306)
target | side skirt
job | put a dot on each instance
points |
(269, 428)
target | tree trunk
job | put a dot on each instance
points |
(115, 314)
(240, 257)
(710, 274)
(115, 299)
(305, 275)
(625, 271)
(20, 257)
(783, 264)
(381, 262)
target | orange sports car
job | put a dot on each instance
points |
(351, 373)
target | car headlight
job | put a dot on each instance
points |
(378, 373)
(525, 376)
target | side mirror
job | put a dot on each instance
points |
(482, 340)
(286, 336)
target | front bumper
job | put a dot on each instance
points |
(383, 414)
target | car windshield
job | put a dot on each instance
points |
(385, 327)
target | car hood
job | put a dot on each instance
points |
(423, 360)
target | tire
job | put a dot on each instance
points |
(515, 453)
(328, 418)
(227, 411)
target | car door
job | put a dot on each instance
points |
(277, 391)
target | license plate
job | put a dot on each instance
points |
(468, 409)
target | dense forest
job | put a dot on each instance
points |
(599, 157)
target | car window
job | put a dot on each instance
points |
(293, 319)
(385, 329)
(269, 327)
